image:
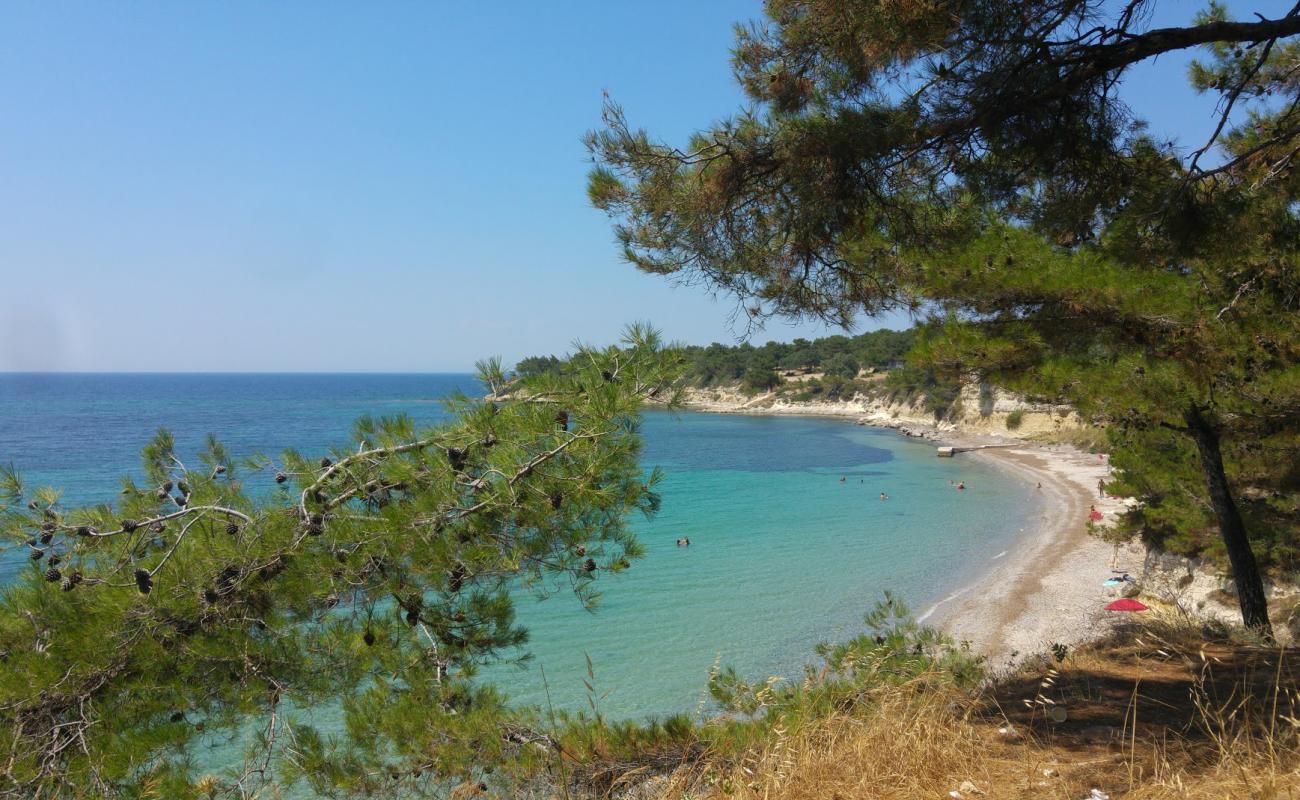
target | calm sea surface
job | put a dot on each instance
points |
(784, 554)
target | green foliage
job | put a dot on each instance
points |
(538, 365)
(841, 365)
(939, 391)
(979, 165)
(377, 578)
(760, 379)
(1014, 419)
(722, 365)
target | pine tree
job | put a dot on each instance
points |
(378, 578)
(973, 159)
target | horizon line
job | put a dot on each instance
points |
(229, 372)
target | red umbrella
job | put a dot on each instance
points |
(1126, 604)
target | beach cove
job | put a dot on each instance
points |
(784, 555)
(1045, 588)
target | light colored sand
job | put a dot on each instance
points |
(1045, 590)
(1048, 588)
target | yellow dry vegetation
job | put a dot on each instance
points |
(1151, 715)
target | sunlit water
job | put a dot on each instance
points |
(784, 554)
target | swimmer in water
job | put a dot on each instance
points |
(884, 496)
(961, 487)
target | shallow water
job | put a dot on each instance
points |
(783, 555)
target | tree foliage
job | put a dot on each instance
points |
(377, 579)
(722, 365)
(974, 159)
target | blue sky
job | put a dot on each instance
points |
(353, 186)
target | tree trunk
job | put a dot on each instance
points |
(1245, 570)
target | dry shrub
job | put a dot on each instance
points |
(1232, 730)
(910, 741)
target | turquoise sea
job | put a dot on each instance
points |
(784, 554)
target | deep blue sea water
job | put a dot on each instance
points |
(784, 555)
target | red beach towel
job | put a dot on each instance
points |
(1126, 604)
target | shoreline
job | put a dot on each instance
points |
(1045, 588)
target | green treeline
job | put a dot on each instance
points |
(759, 368)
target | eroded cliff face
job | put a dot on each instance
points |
(985, 409)
(981, 410)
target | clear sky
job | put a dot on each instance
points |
(354, 186)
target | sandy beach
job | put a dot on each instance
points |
(1048, 588)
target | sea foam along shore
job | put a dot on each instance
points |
(1047, 589)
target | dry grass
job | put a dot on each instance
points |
(1154, 716)
(911, 741)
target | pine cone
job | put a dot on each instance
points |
(325, 463)
(232, 528)
(143, 581)
(562, 419)
(219, 469)
(183, 486)
(589, 565)
(368, 638)
(37, 554)
(167, 486)
(280, 477)
(47, 537)
(457, 456)
(54, 560)
(129, 525)
(52, 575)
